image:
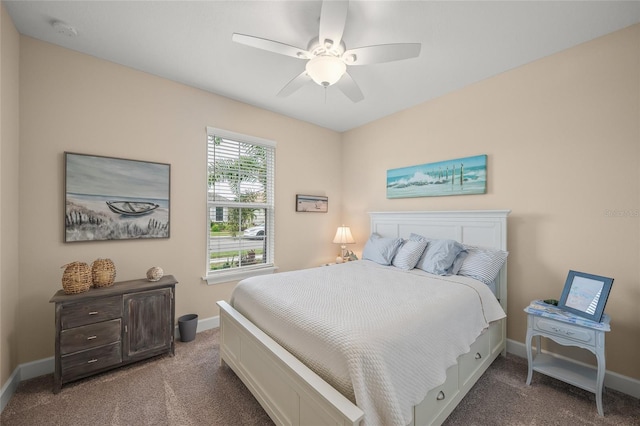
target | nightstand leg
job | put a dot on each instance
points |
(529, 357)
(600, 381)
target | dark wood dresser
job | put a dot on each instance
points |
(108, 327)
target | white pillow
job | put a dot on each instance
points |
(483, 263)
(408, 254)
(381, 250)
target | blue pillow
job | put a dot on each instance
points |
(439, 256)
(381, 250)
(457, 264)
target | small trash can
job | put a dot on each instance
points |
(187, 325)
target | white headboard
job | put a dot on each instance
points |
(486, 228)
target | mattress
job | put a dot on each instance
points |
(381, 336)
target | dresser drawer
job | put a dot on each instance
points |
(83, 363)
(567, 331)
(90, 336)
(90, 311)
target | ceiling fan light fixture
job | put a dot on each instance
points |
(326, 70)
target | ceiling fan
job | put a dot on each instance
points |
(327, 55)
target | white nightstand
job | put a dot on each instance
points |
(567, 329)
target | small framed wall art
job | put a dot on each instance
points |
(109, 198)
(312, 203)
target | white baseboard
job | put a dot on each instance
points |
(615, 381)
(40, 367)
(44, 366)
(9, 389)
(25, 371)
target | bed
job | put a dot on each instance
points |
(293, 393)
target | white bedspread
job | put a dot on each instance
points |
(381, 336)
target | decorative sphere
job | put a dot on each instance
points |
(155, 273)
(339, 259)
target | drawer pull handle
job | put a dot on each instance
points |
(440, 396)
(478, 356)
(93, 313)
(562, 330)
(91, 361)
(92, 337)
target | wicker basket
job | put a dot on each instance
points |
(103, 272)
(76, 278)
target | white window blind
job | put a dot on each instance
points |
(240, 203)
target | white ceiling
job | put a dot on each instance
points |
(190, 42)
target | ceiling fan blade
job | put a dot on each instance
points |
(271, 46)
(381, 53)
(333, 18)
(349, 87)
(299, 81)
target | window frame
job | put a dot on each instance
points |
(241, 272)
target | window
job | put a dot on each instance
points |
(219, 217)
(240, 205)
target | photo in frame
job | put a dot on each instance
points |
(108, 198)
(585, 295)
(312, 203)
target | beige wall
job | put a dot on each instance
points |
(74, 102)
(9, 152)
(562, 139)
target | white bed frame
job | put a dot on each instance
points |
(292, 394)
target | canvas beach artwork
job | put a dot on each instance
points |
(109, 198)
(312, 203)
(461, 176)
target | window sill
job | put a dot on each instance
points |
(225, 277)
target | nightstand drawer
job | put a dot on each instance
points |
(567, 331)
(82, 363)
(90, 336)
(91, 311)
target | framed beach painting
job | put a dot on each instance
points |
(312, 203)
(462, 176)
(109, 198)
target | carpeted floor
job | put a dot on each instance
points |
(191, 389)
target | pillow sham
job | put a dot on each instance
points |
(439, 256)
(483, 263)
(408, 254)
(380, 249)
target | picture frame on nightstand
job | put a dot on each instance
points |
(585, 295)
